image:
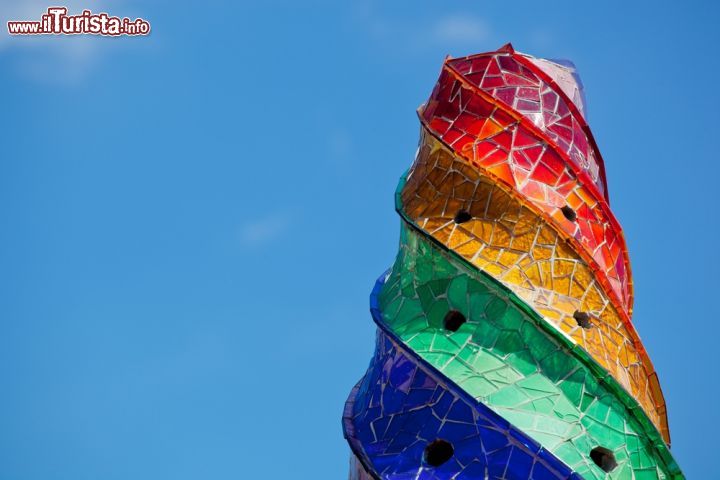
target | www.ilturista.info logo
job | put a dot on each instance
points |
(57, 22)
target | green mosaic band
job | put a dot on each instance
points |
(508, 357)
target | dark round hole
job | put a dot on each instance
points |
(569, 213)
(438, 452)
(462, 216)
(453, 320)
(603, 458)
(582, 319)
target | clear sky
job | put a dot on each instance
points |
(191, 223)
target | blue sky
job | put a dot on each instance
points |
(191, 223)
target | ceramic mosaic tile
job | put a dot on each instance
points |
(507, 146)
(515, 245)
(502, 356)
(402, 406)
(505, 346)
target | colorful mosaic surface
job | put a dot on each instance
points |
(505, 145)
(505, 347)
(399, 408)
(508, 240)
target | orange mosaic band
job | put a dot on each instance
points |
(507, 238)
(514, 150)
